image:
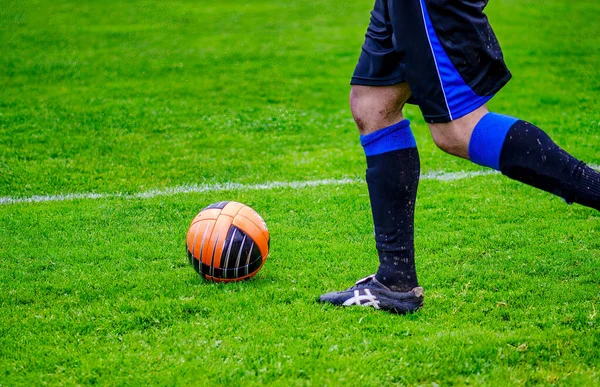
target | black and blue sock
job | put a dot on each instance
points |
(523, 152)
(393, 169)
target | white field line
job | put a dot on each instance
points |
(199, 188)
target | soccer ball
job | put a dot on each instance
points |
(227, 241)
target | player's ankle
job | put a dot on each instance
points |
(397, 284)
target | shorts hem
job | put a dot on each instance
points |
(498, 85)
(438, 119)
(358, 81)
(443, 118)
(472, 107)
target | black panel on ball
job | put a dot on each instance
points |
(219, 206)
(254, 256)
(193, 261)
(235, 272)
(240, 256)
(255, 260)
(236, 250)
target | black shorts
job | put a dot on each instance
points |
(445, 50)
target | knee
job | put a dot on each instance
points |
(376, 107)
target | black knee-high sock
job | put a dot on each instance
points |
(530, 156)
(523, 152)
(392, 177)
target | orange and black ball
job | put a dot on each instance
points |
(227, 241)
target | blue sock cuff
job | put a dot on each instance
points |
(394, 137)
(487, 139)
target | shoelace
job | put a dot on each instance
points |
(363, 281)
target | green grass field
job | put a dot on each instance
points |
(129, 97)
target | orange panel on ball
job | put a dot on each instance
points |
(232, 209)
(214, 247)
(252, 215)
(211, 213)
(189, 239)
(201, 236)
(255, 232)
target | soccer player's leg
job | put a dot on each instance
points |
(377, 97)
(454, 106)
(392, 179)
(521, 151)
